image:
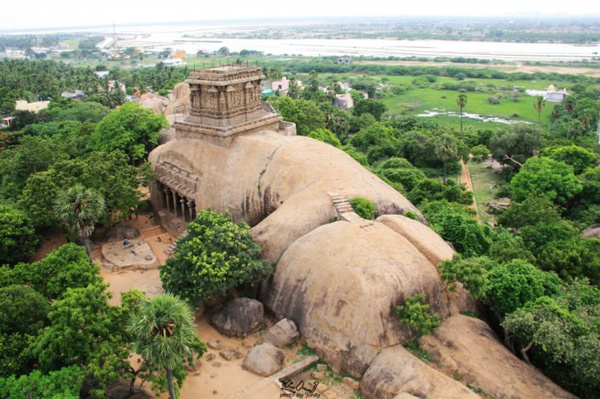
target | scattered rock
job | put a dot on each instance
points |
(248, 342)
(213, 375)
(330, 394)
(209, 357)
(230, 354)
(282, 334)
(322, 367)
(264, 359)
(214, 344)
(318, 375)
(395, 370)
(351, 382)
(217, 364)
(322, 387)
(591, 232)
(240, 317)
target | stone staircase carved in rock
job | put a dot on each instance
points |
(344, 211)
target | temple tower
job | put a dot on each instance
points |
(226, 101)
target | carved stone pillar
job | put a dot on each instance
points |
(182, 201)
(192, 205)
(175, 203)
(165, 196)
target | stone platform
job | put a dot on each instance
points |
(135, 255)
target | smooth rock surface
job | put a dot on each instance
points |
(340, 285)
(468, 346)
(264, 359)
(282, 334)
(239, 317)
(396, 371)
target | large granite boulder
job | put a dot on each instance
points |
(264, 359)
(396, 371)
(468, 346)
(239, 317)
(341, 283)
(591, 232)
(180, 100)
(153, 101)
(282, 334)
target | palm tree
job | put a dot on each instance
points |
(539, 104)
(569, 107)
(461, 101)
(163, 334)
(78, 209)
(446, 150)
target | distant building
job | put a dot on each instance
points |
(555, 96)
(344, 101)
(344, 60)
(14, 54)
(345, 87)
(7, 122)
(171, 62)
(178, 54)
(101, 74)
(77, 95)
(22, 105)
(282, 85)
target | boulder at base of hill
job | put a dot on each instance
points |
(591, 232)
(282, 334)
(341, 284)
(153, 101)
(396, 371)
(264, 359)
(240, 317)
(468, 346)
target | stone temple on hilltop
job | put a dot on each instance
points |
(225, 102)
(339, 278)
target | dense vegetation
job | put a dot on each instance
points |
(78, 165)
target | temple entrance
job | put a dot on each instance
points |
(175, 204)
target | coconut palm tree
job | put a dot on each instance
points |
(163, 334)
(446, 149)
(461, 101)
(539, 104)
(78, 209)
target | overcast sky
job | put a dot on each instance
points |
(26, 14)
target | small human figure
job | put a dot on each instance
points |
(126, 241)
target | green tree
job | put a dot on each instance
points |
(531, 211)
(513, 147)
(129, 128)
(164, 335)
(539, 103)
(457, 226)
(541, 176)
(325, 136)
(415, 312)
(79, 209)
(66, 267)
(82, 323)
(377, 141)
(65, 383)
(461, 101)
(305, 114)
(368, 106)
(23, 312)
(447, 150)
(214, 256)
(17, 236)
(578, 157)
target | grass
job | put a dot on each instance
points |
(73, 44)
(485, 186)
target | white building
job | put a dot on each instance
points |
(555, 96)
(23, 105)
(171, 62)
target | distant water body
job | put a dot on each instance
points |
(192, 38)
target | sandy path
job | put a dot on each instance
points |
(465, 178)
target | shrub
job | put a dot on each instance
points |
(480, 153)
(364, 207)
(17, 236)
(415, 313)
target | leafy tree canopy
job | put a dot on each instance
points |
(541, 176)
(215, 255)
(18, 240)
(129, 128)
